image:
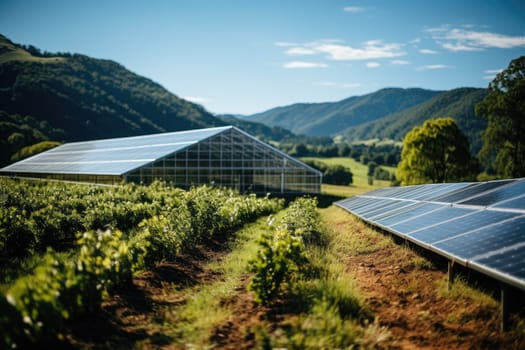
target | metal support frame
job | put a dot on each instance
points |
(451, 274)
(505, 299)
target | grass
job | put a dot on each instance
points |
(359, 170)
(368, 240)
(461, 290)
(329, 309)
(207, 305)
(21, 55)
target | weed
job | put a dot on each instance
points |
(461, 290)
(420, 263)
(375, 337)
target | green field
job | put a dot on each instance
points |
(359, 170)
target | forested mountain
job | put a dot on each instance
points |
(71, 97)
(317, 119)
(263, 132)
(458, 103)
(66, 97)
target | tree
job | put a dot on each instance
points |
(29, 151)
(504, 106)
(436, 152)
(299, 150)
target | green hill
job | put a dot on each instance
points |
(71, 97)
(458, 103)
(319, 119)
(263, 132)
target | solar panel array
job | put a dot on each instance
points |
(111, 156)
(480, 225)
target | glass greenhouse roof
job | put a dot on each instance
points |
(111, 156)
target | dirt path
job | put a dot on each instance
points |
(132, 316)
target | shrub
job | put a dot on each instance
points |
(278, 258)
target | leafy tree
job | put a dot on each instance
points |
(333, 174)
(504, 107)
(299, 150)
(435, 152)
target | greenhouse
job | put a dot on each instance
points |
(222, 156)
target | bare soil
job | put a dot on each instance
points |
(403, 298)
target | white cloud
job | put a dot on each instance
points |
(340, 85)
(427, 52)
(490, 74)
(284, 44)
(302, 64)
(460, 47)
(433, 67)
(351, 85)
(354, 9)
(373, 64)
(336, 50)
(373, 49)
(300, 51)
(196, 99)
(400, 62)
(459, 39)
(493, 71)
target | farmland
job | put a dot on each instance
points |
(340, 284)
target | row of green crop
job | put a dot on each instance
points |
(293, 266)
(282, 255)
(37, 215)
(36, 306)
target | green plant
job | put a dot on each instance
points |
(279, 257)
(322, 329)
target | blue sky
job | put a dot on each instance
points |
(248, 56)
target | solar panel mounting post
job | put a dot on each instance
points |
(504, 307)
(451, 274)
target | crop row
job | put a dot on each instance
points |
(282, 255)
(296, 269)
(118, 231)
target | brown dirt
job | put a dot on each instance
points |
(132, 315)
(403, 297)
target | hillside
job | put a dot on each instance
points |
(317, 119)
(68, 97)
(458, 103)
(263, 132)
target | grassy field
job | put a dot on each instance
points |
(360, 178)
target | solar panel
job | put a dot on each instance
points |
(474, 220)
(470, 191)
(485, 240)
(112, 156)
(386, 206)
(429, 219)
(408, 213)
(481, 225)
(516, 203)
(442, 189)
(509, 261)
(500, 194)
(401, 207)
